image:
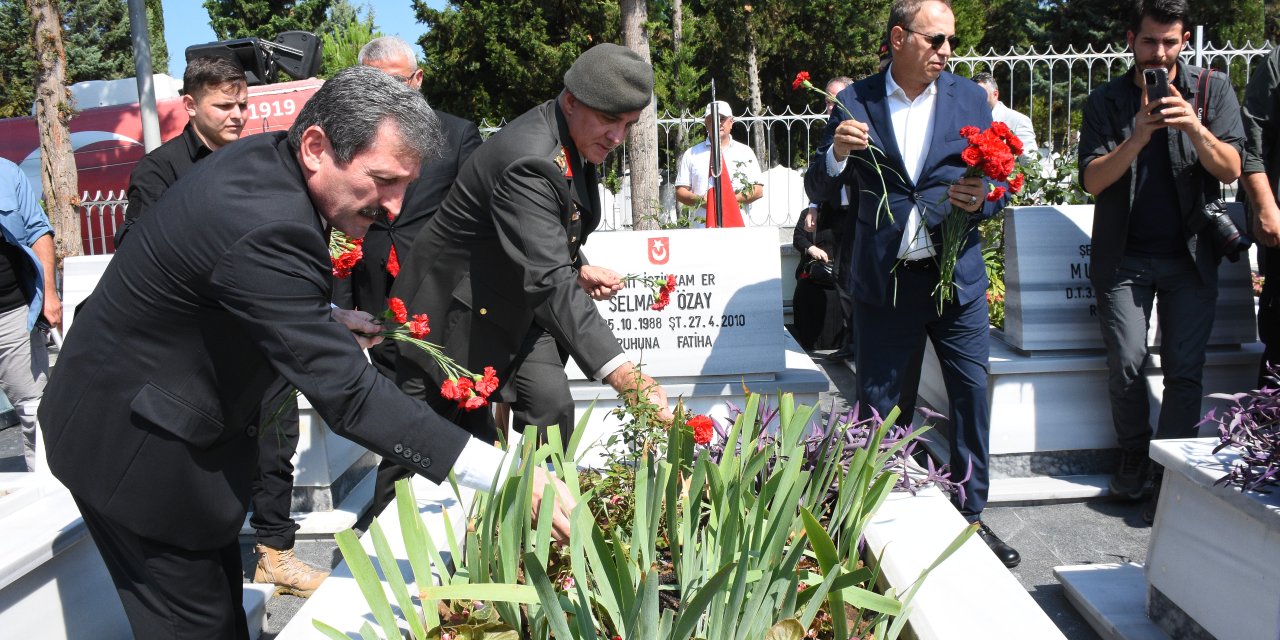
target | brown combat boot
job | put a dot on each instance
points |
(287, 572)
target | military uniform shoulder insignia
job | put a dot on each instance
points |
(562, 161)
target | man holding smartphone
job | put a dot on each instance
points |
(1152, 156)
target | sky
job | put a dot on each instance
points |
(186, 22)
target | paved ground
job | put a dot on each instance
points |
(1047, 535)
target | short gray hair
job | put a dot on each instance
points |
(985, 79)
(351, 106)
(386, 48)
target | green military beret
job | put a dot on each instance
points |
(611, 78)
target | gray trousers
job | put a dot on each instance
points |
(1186, 308)
(24, 368)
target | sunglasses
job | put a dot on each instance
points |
(935, 40)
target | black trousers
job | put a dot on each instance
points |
(169, 592)
(538, 393)
(273, 486)
(890, 342)
(1269, 313)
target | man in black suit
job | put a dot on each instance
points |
(913, 112)
(215, 97)
(390, 241)
(152, 415)
(499, 269)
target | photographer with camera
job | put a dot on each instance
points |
(1153, 157)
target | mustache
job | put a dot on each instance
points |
(373, 213)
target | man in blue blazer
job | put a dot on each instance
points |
(907, 119)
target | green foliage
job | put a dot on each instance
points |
(17, 61)
(264, 18)
(755, 544)
(1271, 22)
(96, 37)
(345, 33)
(495, 59)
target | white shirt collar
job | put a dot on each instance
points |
(891, 87)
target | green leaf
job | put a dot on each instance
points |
(690, 613)
(327, 630)
(789, 629)
(555, 614)
(395, 580)
(367, 632)
(368, 581)
(825, 551)
(487, 592)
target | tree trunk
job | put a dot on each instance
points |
(642, 140)
(677, 42)
(53, 110)
(757, 108)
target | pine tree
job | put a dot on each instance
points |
(265, 18)
(96, 39)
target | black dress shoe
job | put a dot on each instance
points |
(840, 355)
(1004, 553)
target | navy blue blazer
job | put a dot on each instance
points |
(960, 103)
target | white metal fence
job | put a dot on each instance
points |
(99, 217)
(1048, 86)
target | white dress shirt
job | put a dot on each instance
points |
(912, 123)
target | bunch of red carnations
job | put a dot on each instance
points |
(470, 390)
(992, 153)
(345, 252)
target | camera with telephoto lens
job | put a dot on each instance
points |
(1226, 235)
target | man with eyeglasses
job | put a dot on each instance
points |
(389, 240)
(907, 120)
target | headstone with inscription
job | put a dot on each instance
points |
(1050, 302)
(721, 334)
(725, 316)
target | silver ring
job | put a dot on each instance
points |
(973, 199)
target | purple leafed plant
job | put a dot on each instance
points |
(854, 432)
(1252, 426)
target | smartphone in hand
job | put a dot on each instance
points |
(1157, 81)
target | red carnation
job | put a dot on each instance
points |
(393, 263)
(969, 132)
(802, 78)
(1015, 183)
(663, 300)
(473, 403)
(671, 281)
(398, 311)
(419, 327)
(995, 194)
(971, 155)
(702, 429)
(488, 383)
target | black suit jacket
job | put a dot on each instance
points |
(157, 171)
(370, 283)
(500, 260)
(152, 414)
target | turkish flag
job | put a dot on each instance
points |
(730, 215)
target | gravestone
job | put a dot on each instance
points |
(1050, 302)
(725, 316)
(721, 333)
